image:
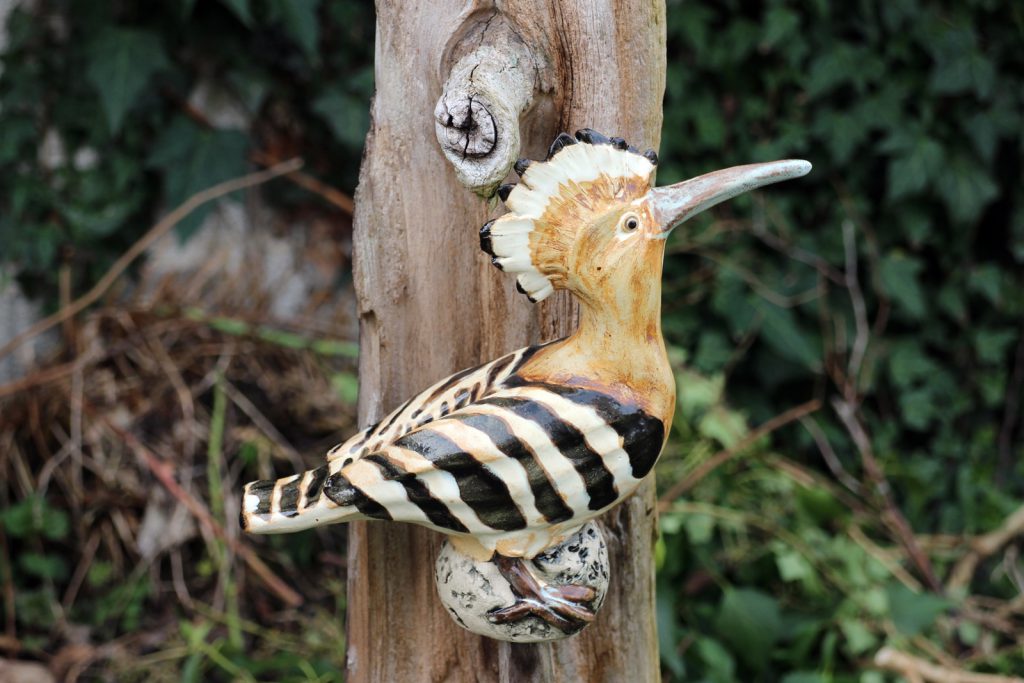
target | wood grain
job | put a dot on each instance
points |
(430, 303)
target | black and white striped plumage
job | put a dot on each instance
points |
(515, 455)
(512, 463)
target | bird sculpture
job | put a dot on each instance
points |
(513, 457)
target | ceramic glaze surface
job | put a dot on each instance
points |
(472, 590)
(512, 458)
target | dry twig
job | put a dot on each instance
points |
(984, 546)
(917, 669)
(164, 474)
(162, 227)
(891, 514)
(716, 460)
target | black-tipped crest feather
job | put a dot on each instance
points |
(521, 166)
(485, 238)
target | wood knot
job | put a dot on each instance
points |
(466, 126)
(476, 119)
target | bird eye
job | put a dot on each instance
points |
(631, 224)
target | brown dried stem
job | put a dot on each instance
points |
(984, 546)
(917, 669)
(165, 475)
(163, 226)
(330, 194)
(716, 460)
(891, 515)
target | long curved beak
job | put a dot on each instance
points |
(676, 203)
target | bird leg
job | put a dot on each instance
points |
(567, 608)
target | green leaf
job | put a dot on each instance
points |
(909, 362)
(195, 159)
(779, 23)
(699, 528)
(19, 519)
(101, 221)
(804, 677)
(100, 572)
(120, 64)
(966, 188)
(986, 280)
(299, 18)
(723, 425)
(858, 638)
(918, 407)
(899, 276)
(721, 668)
(751, 622)
(241, 9)
(665, 612)
(696, 393)
(347, 115)
(781, 331)
(911, 171)
(51, 567)
(346, 385)
(912, 612)
(965, 72)
(991, 345)
(33, 516)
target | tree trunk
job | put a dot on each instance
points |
(430, 304)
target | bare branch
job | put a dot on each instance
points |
(891, 514)
(716, 460)
(985, 546)
(163, 226)
(860, 316)
(915, 668)
(828, 454)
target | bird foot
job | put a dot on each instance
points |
(567, 607)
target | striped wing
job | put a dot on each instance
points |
(527, 457)
(437, 401)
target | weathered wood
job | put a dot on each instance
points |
(430, 304)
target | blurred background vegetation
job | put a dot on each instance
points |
(842, 498)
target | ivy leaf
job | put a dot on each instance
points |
(782, 332)
(779, 23)
(966, 188)
(964, 73)
(991, 345)
(100, 221)
(194, 159)
(241, 9)
(899, 273)
(918, 407)
(985, 280)
(121, 62)
(723, 425)
(913, 612)
(909, 362)
(299, 18)
(751, 622)
(347, 115)
(51, 567)
(911, 171)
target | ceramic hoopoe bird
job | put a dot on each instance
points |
(514, 456)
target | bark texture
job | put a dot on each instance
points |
(430, 304)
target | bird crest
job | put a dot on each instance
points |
(583, 177)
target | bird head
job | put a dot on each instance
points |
(588, 219)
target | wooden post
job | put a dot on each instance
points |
(430, 303)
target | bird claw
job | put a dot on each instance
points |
(567, 607)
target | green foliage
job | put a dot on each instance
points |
(912, 117)
(116, 91)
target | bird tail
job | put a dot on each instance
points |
(292, 504)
